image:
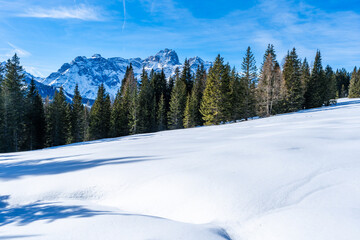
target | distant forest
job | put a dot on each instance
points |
(155, 103)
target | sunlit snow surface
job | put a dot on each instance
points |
(293, 176)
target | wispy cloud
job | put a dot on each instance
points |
(19, 51)
(124, 6)
(81, 12)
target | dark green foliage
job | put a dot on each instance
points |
(77, 116)
(146, 118)
(124, 112)
(188, 118)
(13, 107)
(237, 96)
(305, 78)
(161, 114)
(270, 50)
(2, 127)
(196, 97)
(177, 104)
(118, 119)
(294, 94)
(187, 77)
(100, 113)
(35, 125)
(329, 88)
(314, 95)
(211, 104)
(58, 120)
(354, 91)
(247, 85)
(342, 83)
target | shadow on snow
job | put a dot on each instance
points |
(26, 214)
(50, 166)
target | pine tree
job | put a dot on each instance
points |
(133, 107)
(35, 125)
(177, 104)
(100, 113)
(2, 128)
(196, 96)
(314, 90)
(211, 102)
(342, 83)
(188, 118)
(145, 105)
(305, 78)
(13, 103)
(77, 118)
(237, 96)
(161, 114)
(248, 82)
(329, 88)
(187, 77)
(118, 120)
(86, 117)
(58, 120)
(269, 88)
(226, 102)
(294, 98)
(354, 91)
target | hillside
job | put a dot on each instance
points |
(293, 176)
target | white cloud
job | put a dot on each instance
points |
(81, 12)
(19, 51)
(33, 71)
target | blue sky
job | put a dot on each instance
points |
(46, 34)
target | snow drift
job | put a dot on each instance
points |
(293, 176)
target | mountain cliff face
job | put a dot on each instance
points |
(89, 73)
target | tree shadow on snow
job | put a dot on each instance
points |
(51, 166)
(50, 212)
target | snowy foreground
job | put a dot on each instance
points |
(293, 176)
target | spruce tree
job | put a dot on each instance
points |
(177, 104)
(77, 118)
(237, 96)
(99, 126)
(211, 106)
(248, 82)
(86, 117)
(342, 83)
(314, 90)
(35, 125)
(188, 118)
(305, 78)
(2, 130)
(329, 86)
(269, 89)
(354, 91)
(145, 105)
(58, 120)
(294, 98)
(196, 96)
(226, 102)
(161, 114)
(117, 120)
(187, 77)
(13, 111)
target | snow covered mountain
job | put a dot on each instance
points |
(288, 177)
(89, 73)
(46, 90)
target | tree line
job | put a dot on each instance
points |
(186, 100)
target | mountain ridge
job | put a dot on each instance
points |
(90, 72)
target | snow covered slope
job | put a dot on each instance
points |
(89, 73)
(294, 176)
